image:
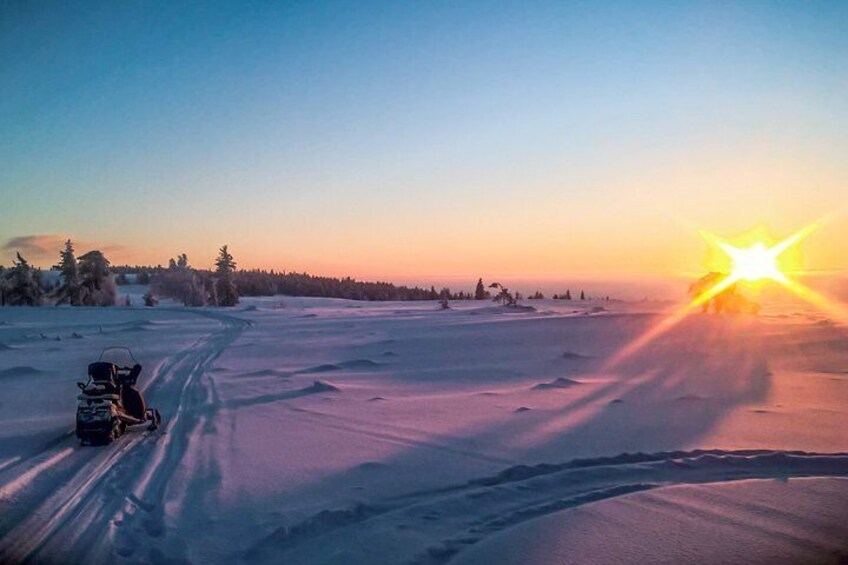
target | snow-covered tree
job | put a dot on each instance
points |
(225, 266)
(149, 299)
(23, 284)
(3, 285)
(98, 288)
(69, 291)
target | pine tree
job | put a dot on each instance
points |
(4, 286)
(226, 291)
(480, 292)
(70, 291)
(568, 294)
(582, 295)
(98, 288)
(23, 284)
(503, 296)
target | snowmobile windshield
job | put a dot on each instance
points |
(120, 356)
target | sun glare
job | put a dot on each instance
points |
(755, 263)
(755, 258)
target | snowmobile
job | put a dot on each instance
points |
(110, 401)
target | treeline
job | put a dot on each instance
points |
(196, 287)
(83, 281)
(268, 283)
(90, 280)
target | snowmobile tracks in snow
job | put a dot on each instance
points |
(434, 526)
(72, 523)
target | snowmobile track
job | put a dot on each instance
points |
(446, 521)
(68, 524)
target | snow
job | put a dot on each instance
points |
(326, 431)
(752, 522)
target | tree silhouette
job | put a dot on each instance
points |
(503, 296)
(98, 288)
(225, 290)
(480, 293)
(23, 284)
(70, 291)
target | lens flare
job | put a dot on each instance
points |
(757, 259)
(753, 259)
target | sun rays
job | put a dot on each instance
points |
(753, 259)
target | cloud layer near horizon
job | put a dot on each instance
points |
(45, 248)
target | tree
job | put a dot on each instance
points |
(182, 282)
(96, 282)
(70, 291)
(4, 286)
(480, 293)
(503, 296)
(23, 284)
(582, 295)
(226, 291)
(568, 294)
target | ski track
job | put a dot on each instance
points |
(432, 527)
(72, 523)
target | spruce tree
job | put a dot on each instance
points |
(480, 292)
(23, 284)
(69, 292)
(582, 295)
(4, 286)
(226, 291)
(568, 294)
(98, 288)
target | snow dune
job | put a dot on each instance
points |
(330, 431)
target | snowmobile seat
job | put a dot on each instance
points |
(103, 374)
(133, 402)
(101, 371)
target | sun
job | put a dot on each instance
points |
(756, 258)
(755, 263)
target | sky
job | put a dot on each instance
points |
(404, 140)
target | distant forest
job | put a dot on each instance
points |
(91, 280)
(180, 280)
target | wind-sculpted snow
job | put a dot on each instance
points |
(20, 371)
(434, 526)
(338, 432)
(561, 382)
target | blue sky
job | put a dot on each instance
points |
(399, 138)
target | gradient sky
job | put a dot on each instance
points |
(405, 139)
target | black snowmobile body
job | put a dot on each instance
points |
(110, 402)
